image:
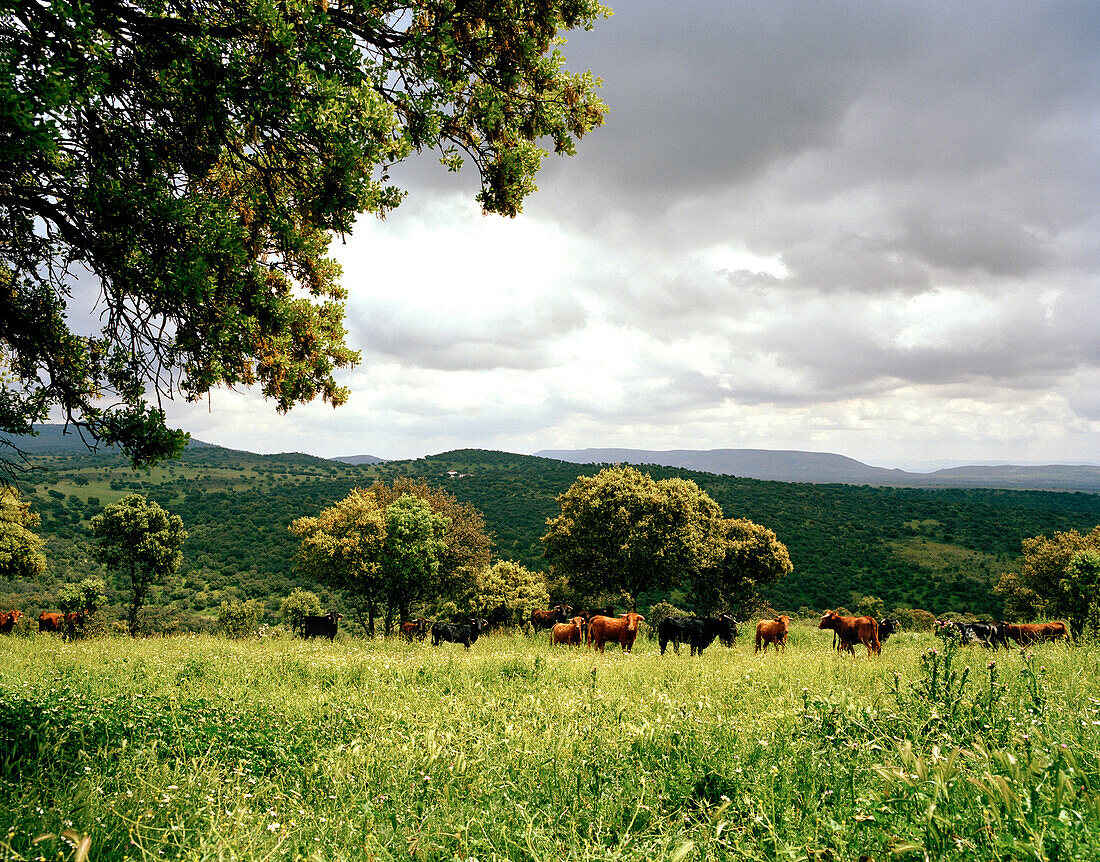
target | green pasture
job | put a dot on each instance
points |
(199, 748)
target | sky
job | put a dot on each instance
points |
(863, 228)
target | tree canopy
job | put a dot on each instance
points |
(622, 531)
(139, 539)
(384, 555)
(751, 557)
(1058, 577)
(21, 548)
(192, 162)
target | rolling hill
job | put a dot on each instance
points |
(941, 549)
(796, 466)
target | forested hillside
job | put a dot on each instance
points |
(941, 550)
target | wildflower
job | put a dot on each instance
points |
(272, 827)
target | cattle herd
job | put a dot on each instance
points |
(598, 627)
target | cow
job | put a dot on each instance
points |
(415, 629)
(459, 633)
(622, 630)
(322, 626)
(727, 639)
(1029, 633)
(546, 619)
(853, 630)
(989, 635)
(886, 627)
(570, 633)
(772, 631)
(699, 632)
(74, 624)
(8, 619)
(50, 621)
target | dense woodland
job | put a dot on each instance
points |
(940, 550)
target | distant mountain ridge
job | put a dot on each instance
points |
(823, 467)
(359, 459)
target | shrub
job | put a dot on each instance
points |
(660, 612)
(239, 619)
(298, 605)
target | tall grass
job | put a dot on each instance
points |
(206, 749)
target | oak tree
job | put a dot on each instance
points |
(189, 162)
(622, 531)
(751, 557)
(1055, 580)
(140, 540)
(21, 548)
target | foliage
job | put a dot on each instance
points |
(89, 595)
(1081, 591)
(871, 606)
(298, 605)
(239, 619)
(410, 556)
(343, 546)
(386, 556)
(751, 557)
(622, 530)
(914, 619)
(660, 612)
(1045, 586)
(21, 553)
(467, 544)
(507, 593)
(844, 541)
(199, 158)
(140, 540)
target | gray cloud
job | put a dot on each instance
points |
(478, 340)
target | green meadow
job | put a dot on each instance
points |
(204, 749)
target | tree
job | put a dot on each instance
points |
(1054, 580)
(508, 592)
(21, 549)
(299, 605)
(468, 545)
(751, 556)
(89, 595)
(343, 546)
(1081, 591)
(410, 558)
(139, 539)
(194, 161)
(622, 531)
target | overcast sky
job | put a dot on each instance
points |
(863, 228)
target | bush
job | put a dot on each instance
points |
(239, 619)
(914, 619)
(660, 612)
(298, 605)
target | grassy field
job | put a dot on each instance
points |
(198, 748)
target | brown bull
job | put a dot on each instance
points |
(853, 630)
(621, 630)
(1029, 633)
(50, 621)
(546, 619)
(567, 633)
(8, 619)
(415, 629)
(773, 631)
